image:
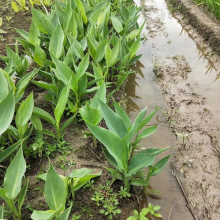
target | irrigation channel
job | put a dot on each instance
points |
(172, 48)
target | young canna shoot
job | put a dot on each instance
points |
(121, 139)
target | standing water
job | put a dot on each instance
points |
(167, 38)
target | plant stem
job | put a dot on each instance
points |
(147, 181)
(126, 183)
(94, 141)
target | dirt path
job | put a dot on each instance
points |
(187, 72)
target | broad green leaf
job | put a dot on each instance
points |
(45, 215)
(103, 15)
(134, 48)
(110, 158)
(135, 126)
(65, 74)
(42, 22)
(65, 214)
(113, 144)
(7, 108)
(82, 10)
(39, 55)
(113, 121)
(67, 17)
(108, 54)
(14, 175)
(147, 119)
(92, 49)
(34, 34)
(90, 114)
(122, 114)
(124, 13)
(82, 66)
(8, 151)
(72, 28)
(98, 74)
(43, 114)
(23, 34)
(56, 42)
(134, 59)
(54, 191)
(4, 88)
(45, 85)
(147, 132)
(24, 82)
(101, 50)
(36, 122)
(60, 107)
(138, 182)
(100, 95)
(13, 132)
(160, 165)
(115, 53)
(116, 23)
(24, 112)
(138, 162)
(67, 123)
(79, 173)
(154, 151)
(133, 34)
(83, 43)
(13, 56)
(9, 80)
(77, 49)
(22, 195)
(79, 182)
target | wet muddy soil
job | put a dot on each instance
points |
(179, 72)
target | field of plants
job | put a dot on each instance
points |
(65, 75)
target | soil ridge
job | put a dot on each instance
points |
(201, 21)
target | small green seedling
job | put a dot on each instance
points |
(1, 31)
(183, 135)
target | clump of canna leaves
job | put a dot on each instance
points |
(12, 192)
(58, 189)
(120, 142)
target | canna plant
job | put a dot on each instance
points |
(76, 180)
(7, 109)
(15, 64)
(62, 188)
(55, 194)
(119, 144)
(58, 112)
(12, 192)
(90, 113)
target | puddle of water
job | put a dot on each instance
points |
(170, 39)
